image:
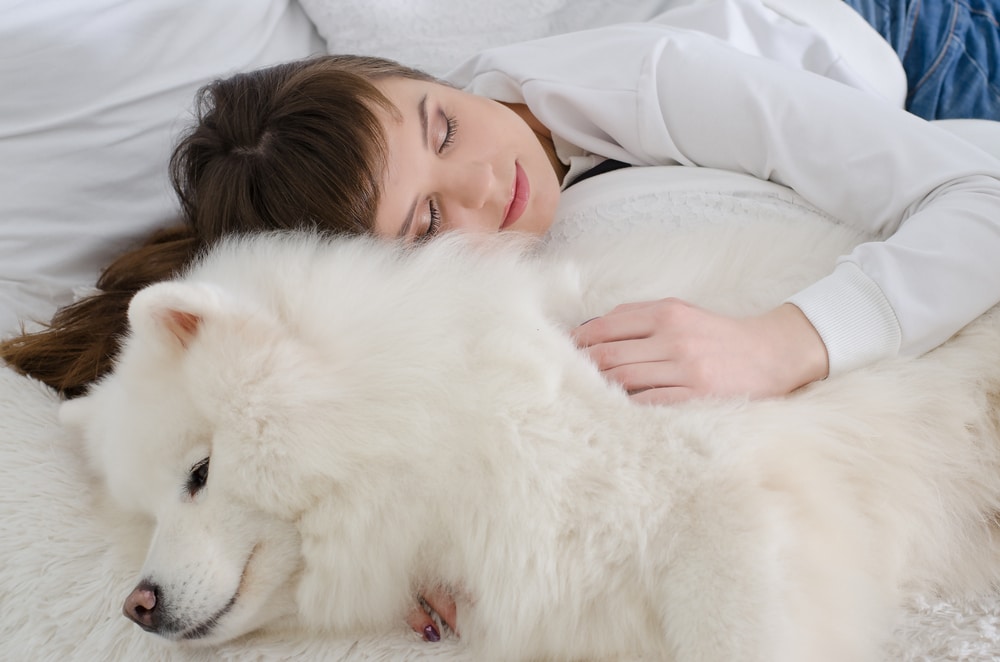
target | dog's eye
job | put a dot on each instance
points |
(197, 477)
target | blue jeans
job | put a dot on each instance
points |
(950, 50)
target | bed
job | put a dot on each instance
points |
(94, 92)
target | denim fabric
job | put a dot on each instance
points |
(950, 50)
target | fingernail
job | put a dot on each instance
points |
(431, 633)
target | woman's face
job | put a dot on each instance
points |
(457, 161)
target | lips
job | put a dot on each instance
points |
(520, 192)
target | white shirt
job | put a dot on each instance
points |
(651, 94)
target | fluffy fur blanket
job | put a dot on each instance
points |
(66, 561)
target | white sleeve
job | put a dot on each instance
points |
(650, 94)
(841, 50)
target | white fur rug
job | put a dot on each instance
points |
(66, 564)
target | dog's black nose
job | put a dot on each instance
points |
(141, 606)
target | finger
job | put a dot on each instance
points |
(619, 353)
(633, 320)
(644, 376)
(669, 395)
(612, 327)
(421, 623)
(442, 603)
(636, 305)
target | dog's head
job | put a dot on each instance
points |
(222, 561)
(279, 379)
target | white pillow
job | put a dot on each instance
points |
(823, 36)
(93, 95)
(437, 35)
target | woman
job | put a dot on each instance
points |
(362, 145)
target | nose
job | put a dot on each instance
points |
(141, 606)
(470, 184)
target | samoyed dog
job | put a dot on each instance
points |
(322, 429)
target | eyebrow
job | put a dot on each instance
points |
(422, 113)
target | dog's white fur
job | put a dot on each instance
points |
(381, 420)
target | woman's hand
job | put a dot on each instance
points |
(668, 351)
(421, 622)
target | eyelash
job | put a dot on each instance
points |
(451, 127)
(435, 225)
(449, 135)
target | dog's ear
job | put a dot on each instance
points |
(172, 312)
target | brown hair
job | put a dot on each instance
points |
(294, 145)
(297, 145)
(81, 341)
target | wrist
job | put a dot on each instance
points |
(853, 317)
(799, 347)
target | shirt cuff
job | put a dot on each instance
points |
(852, 316)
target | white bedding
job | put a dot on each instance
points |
(66, 563)
(92, 93)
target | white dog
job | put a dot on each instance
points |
(323, 429)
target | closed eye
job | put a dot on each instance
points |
(451, 128)
(434, 226)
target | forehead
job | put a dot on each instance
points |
(400, 90)
(401, 125)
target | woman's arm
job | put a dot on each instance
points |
(649, 94)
